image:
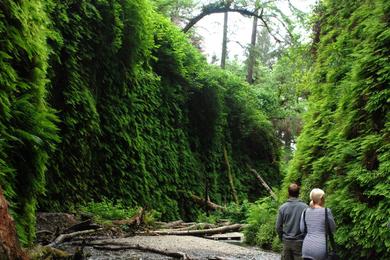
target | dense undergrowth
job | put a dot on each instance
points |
(133, 110)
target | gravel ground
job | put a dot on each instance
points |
(194, 247)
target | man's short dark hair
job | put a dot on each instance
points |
(293, 190)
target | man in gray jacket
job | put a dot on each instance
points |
(287, 224)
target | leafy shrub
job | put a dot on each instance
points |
(151, 216)
(108, 210)
(261, 225)
(212, 218)
(235, 213)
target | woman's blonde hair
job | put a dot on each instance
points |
(316, 195)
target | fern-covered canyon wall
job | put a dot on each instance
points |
(344, 146)
(27, 129)
(108, 99)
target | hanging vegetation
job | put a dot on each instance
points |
(344, 146)
(144, 119)
(27, 130)
(141, 117)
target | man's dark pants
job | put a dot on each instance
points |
(292, 250)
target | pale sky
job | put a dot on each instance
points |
(240, 28)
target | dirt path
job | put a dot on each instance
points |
(194, 247)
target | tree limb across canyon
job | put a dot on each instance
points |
(214, 8)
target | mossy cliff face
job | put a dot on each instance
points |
(138, 115)
(344, 146)
(27, 132)
(143, 117)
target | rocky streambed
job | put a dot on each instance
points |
(192, 247)
(111, 243)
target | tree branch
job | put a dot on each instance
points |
(268, 29)
(284, 25)
(202, 232)
(221, 9)
(261, 180)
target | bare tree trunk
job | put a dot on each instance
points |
(265, 185)
(252, 53)
(224, 41)
(231, 183)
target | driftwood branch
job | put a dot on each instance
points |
(265, 185)
(211, 231)
(122, 246)
(197, 226)
(63, 237)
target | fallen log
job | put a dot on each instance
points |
(261, 180)
(63, 237)
(210, 231)
(196, 226)
(208, 203)
(124, 246)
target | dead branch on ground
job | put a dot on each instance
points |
(203, 232)
(197, 226)
(63, 237)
